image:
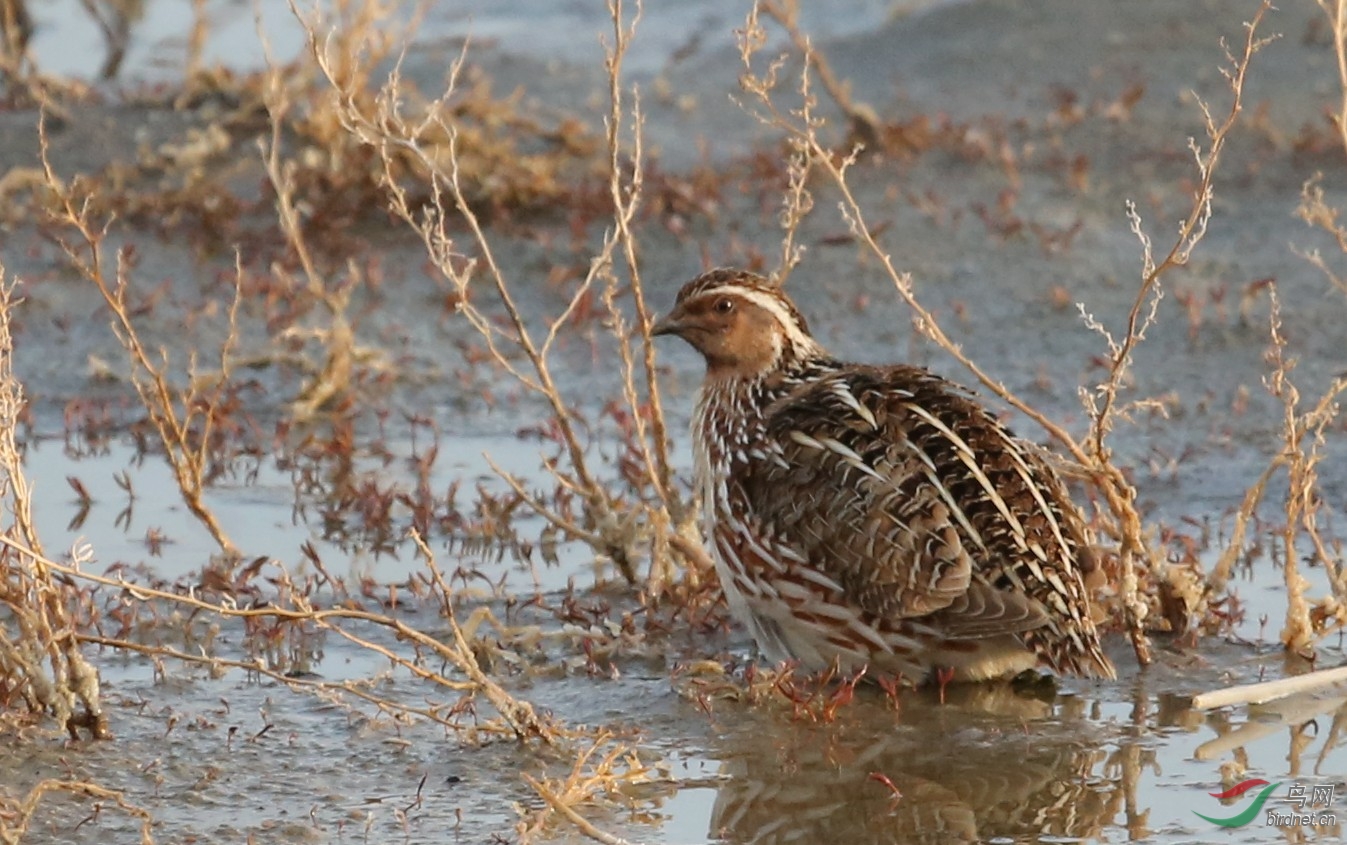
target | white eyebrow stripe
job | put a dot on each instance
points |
(771, 305)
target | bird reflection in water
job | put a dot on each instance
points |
(969, 771)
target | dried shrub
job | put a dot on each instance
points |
(639, 514)
(42, 669)
(184, 411)
(512, 158)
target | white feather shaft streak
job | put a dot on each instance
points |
(966, 455)
(842, 391)
(837, 447)
(1013, 449)
(955, 511)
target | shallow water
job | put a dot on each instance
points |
(262, 508)
(1099, 762)
(1125, 762)
(69, 42)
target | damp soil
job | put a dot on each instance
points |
(1001, 254)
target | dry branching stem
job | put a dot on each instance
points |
(617, 767)
(184, 418)
(14, 825)
(1336, 10)
(613, 524)
(519, 715)
(40, 658)
(864, 122)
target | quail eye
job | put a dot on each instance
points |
(724, 306)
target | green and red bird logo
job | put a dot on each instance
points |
(1246, 815)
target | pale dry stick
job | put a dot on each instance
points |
(16, 30)
(196, 39)
(1317, 260)
(798, 202)
(11, 406)
(520, 715)
(1094, 455)
(359, 38)
(599, 509)
(334, 378)
(13, 827)
(1298, 630)
(1336, 10)
(585, 825)
(555, 326)
(581, 785)
(392, 132)
(1119, 493)
(1304, 487)
(538, 506)
(560, 411)
(626, 203)
(1301, 504)
(795, 206)
(1270, 690)
(865, 123)
(281, 176)
(693, 550)
(1191, 231)
(516, 712)
(173, 412)
(1225, 565)
(358, 43)
(193, 71)
(1316, 211)
(1307, 490)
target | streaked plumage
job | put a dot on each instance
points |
(874, 515)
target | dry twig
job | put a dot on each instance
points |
(617, 769)
(1270, 690)
(183, 417)
(40, 658)
(519, 715)
(14, 822)
(615, 522)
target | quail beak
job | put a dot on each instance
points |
(669, 324)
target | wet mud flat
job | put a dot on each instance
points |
(1059, 113)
